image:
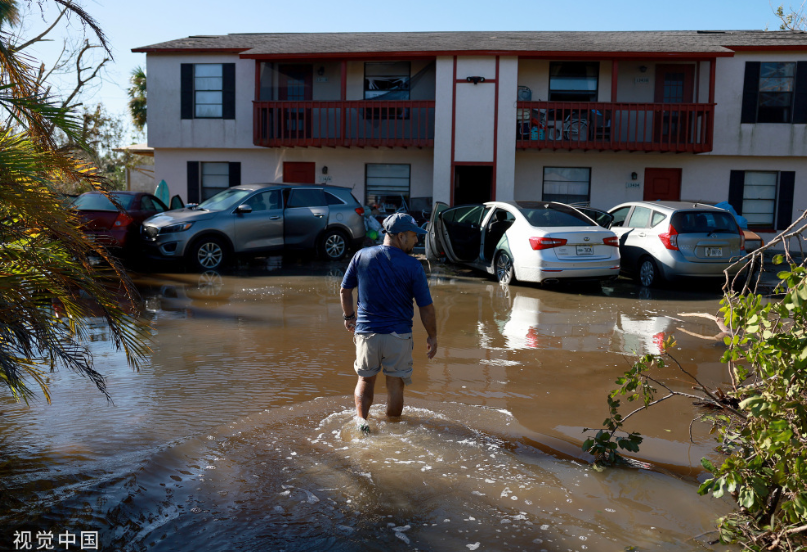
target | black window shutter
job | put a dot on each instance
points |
(800, 103)
(736, 185)
(750, 92)
(193, 182)
(784, 214)
(228, 95)
(186, 91)
(235, 174)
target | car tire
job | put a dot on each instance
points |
(504, 268)
(647, 273)
(334, 245)
(208, 253)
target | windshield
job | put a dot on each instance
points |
(225, 200)
(99, 202)
(552, 215)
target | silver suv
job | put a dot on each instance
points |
(661, 240)
(258, 218)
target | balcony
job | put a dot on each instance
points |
(648, 127)
(365, 123)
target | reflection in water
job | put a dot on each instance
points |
(237, 434)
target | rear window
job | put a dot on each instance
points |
(332, 199)
(99, 202)
(704, 222)
(552, 215)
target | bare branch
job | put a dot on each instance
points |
(40, 37)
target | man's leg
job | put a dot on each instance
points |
(395, 396)
(363, 396)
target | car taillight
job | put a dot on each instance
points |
(670, 238)
(742, 238)
(360, 211)
(123, 220)
(546, 243)
(613, 240)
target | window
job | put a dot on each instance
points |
(658, 218)
(208, 88)
(386, 187)
(149, 204)
(215, 179)
(776, 86)
(387, 80)
(566, 185)
(265, 201)
(573, 81)
(307, 198)
(639, 218)
(332, 199)
(544, 215)
(759, 198)
(619, 216)
(764, 198)
(775, 92)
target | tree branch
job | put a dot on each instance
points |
(39, 38)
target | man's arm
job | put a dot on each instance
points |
(348, 307)
(429, 319)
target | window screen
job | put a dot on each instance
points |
(759, 198)
(566, 185)
(387, 187)
(215, 179)
(208, 87)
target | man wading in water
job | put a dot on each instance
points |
(388, 280)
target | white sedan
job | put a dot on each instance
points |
(530, 241)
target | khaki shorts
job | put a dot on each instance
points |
(392, 352)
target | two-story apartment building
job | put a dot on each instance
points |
(463, 117)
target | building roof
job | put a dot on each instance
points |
(516, 42)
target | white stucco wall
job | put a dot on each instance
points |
(346, 167)
(506, 137)
(165, 127)
(444, 87)
(473, 139)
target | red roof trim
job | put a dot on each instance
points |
(189, 50)
(776, 47)
(530, 54)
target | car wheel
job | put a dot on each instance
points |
(334, 245)
(648, 273)
(504, 268)
(209, 253)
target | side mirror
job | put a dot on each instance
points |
(243, 209)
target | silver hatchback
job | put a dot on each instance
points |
(663, 240)
(255, 219)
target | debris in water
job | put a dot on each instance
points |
(402, 537)
(473, 546)
(401, 529)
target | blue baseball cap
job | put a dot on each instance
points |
(401, 222)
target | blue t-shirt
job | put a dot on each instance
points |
(388, 279)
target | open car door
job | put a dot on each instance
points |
(600, 217)
(176, 203)
(434, 245)
(457, 231)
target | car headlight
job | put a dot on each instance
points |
(181, 227)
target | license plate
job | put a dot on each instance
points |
(714, 251)
(585, 250)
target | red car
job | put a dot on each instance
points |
(109, 225)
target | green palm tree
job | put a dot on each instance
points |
(137, 97)
(49, 291)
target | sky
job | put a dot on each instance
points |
(129, 24)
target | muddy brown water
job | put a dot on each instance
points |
(237, 433)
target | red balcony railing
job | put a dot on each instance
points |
(684, 127)
(365, 123)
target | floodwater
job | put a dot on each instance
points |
(237, 433)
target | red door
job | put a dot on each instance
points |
(674, 85)
(664, 184)
(299, 173)
(296, 85)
